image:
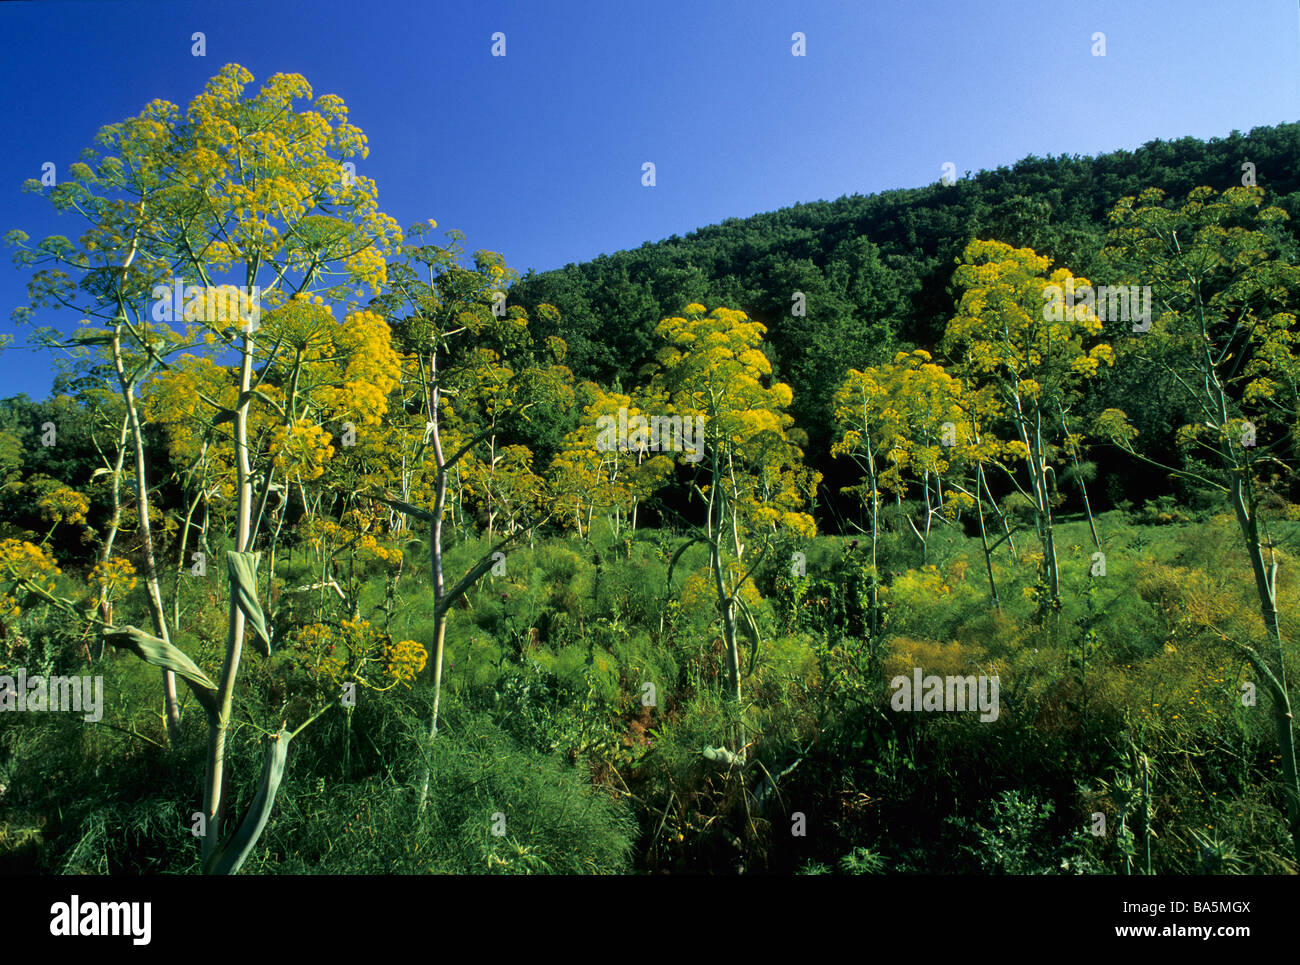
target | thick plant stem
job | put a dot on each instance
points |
(1275, 681)
(435, 565)
(115, 518)
(1083, 488)
(984, 540)
(1037, 463)
(180, 560)
(440, 627)
(214, 799)
(127, 384)
(1002, 517)
(1245, 508)
(726, 605)
(875, 559)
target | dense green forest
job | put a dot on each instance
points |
(877, 272)
(840, 539)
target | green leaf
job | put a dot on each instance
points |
(243, 582)
(90, 337)
(230, 857)
(750, 629)
(407, 508)
(160, 653)
(678, 555)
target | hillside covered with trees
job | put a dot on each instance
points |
(876, 271)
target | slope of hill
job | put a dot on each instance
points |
(875, 269)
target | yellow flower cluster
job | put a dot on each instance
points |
(904, 654)
(699, 592)
(369, 266)
(24, 564)
(312, 636)
(324, 534)
(923, 585)
(112, 574)
(27, 561)
(302, 448)
(404, 660)
(956, 501)
(317, 646)
(369, 546)
(222, 304)
(353, 650)
(320, 533)
(60, 504)
(373, 368)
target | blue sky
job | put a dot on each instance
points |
(538, 154)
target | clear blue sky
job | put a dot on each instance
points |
(538, 154)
